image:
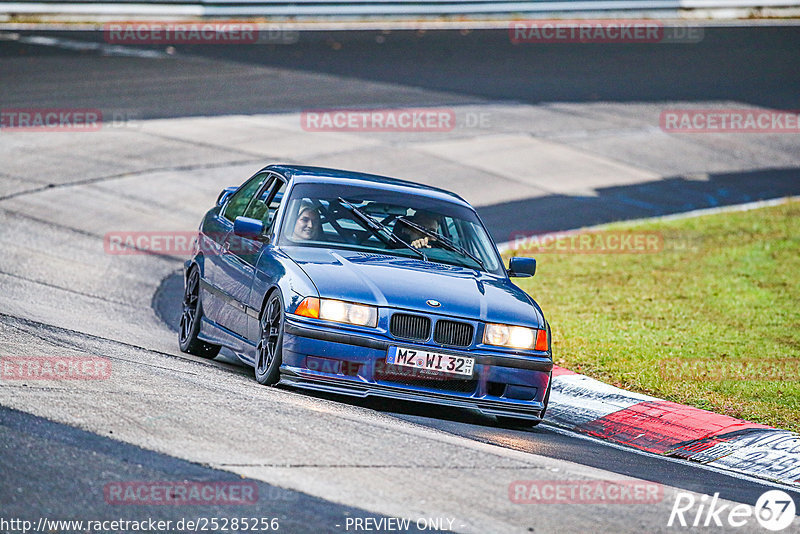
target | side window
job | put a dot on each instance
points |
(266, 205)
(451, 231)
(241, 198)
(275, 202)
(451, 227)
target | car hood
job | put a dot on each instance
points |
(391, 281)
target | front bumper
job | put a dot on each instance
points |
(351, 362)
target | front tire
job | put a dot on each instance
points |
(515, 422)
(190, 320)
(269, 350)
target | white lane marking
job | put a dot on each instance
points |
(720, 209)
(509, 245)
(81, 46)
(721, 471)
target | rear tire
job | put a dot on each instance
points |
(269, 350)
(191, 318)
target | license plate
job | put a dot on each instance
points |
(432, 361)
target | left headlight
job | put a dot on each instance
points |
(515, 337)
(339, 311)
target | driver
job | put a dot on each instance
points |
(307, 226)
(418, 240)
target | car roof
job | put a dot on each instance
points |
(307, 174)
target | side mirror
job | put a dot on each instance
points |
(249, 228)
(521, 267)
(227, 192)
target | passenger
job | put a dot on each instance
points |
(307, 226)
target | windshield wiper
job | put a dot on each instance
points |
(443, 240)
(378, 228)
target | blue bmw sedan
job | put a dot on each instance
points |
(363, 285)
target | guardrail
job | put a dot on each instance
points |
(311, 8)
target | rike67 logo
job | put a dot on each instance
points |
(774, 510)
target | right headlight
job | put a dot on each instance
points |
(515, 337)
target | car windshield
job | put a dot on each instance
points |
(376, 220)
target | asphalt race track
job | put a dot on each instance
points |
(548, 137)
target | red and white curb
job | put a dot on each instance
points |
(589, 406)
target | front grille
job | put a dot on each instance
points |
(461, 386)
(405, 326)
(416, 377)
(453, 333)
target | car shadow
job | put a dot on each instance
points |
(667, 196)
